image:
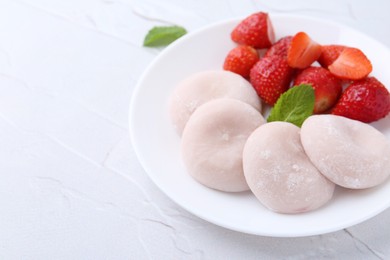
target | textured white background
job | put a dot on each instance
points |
(70, 184)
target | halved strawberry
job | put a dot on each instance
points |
(366, 100)
(329, 53)
(303, 51)
(327, 88)
(240, 60)
(256, 30)
(271, 77)
(280, 48)
(351, 64)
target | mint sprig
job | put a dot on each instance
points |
(163, 35)
(294, 106)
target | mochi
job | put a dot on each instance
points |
(280, 174)
(213, 140)
(204, 86)
(348, 152)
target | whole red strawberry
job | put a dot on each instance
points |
(329, 53)
(280, 48)
(256, 30)
(240, 60)
(271, 77)
(327, 88)
(366, 100)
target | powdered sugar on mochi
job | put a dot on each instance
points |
(213, 140)
(205, 86)
(280, 174)
(350, 153)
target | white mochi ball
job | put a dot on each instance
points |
(213, 141)
(279, 172)
(205, 86)
(348, 152)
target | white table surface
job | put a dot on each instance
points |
(71, 186)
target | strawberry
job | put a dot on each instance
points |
(280, 48)
(303, 51)
(256, 30)
(329, 53)
(327, 88)
(366, 100)
(351, 64)
(271, 77)
(240, 60)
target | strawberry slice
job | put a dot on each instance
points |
(329, 53)
(280, 48)
(240, 60)
(351, 64)
(327, 88)
(303, 51)
(271, 77)
(366, 100)
(256, 30)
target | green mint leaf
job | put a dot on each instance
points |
(163, 35)
(294, 106)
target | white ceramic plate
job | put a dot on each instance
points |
(157, 144)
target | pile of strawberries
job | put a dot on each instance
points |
(338, 74)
